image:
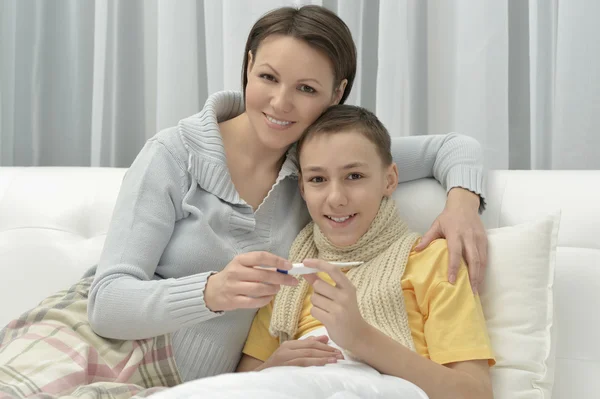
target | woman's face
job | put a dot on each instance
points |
(289, 85)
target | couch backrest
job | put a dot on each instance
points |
(53, 223)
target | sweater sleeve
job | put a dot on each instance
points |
(453, 160)
(125, 302)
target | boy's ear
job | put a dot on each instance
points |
(391, 179)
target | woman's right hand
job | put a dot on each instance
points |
(241, 285)
(312, 351)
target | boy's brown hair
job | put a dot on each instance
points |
(346, 118)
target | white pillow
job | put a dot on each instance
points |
(517, 300)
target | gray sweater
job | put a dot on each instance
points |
(178, 218)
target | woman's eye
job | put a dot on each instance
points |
(307, 89)
(354, 176)
(316, 179)
(267, 76)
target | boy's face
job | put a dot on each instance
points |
(343, 180)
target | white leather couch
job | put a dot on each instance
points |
(53, 223)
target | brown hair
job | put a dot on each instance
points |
(345, 118)
(319, 27)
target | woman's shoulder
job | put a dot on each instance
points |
(200, 133)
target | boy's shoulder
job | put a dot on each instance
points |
(439, 247)
(431, 263)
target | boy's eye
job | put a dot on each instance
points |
(354, 176)
(307, 89)
(316, 179)
(267, 76)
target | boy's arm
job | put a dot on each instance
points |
(460, 380)
(309, 352)
(248, 363)
(454, 329)
(262, 350)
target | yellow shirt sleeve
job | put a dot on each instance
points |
(449, 324)
(260, 344)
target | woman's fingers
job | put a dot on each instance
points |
(247, 302)
(455, 251)
(473, 262)
(265, 259)
(433, 233)
(265, 276)
(256, 290)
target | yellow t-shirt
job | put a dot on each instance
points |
(446, 320)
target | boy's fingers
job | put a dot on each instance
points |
(334, 272)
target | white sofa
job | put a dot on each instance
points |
(53, 223)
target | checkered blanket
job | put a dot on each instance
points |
(51, 351)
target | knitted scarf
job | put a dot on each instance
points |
(384, 249)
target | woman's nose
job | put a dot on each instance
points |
(282, 100)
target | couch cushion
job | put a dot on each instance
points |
(517, 300)
(520, 196)
(52, 227)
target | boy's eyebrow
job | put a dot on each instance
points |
(351, 165)
(354, 165)
(301, 80)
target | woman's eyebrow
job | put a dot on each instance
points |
(299, 80)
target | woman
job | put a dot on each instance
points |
(206, 201)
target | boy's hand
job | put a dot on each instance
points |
(336, 306)
(312, 351)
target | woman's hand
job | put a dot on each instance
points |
(461, 226)
(312, 351)
(241, 285)
(336, 306)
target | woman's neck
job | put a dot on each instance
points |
(244, 149)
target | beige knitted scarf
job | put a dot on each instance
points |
(384, 248)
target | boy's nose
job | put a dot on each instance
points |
(337, 197)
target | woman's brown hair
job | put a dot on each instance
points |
(319, 27)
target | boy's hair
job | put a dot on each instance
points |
(344, 118)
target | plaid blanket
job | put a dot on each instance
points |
(51, 351)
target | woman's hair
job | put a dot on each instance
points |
(350, 118)
(319, 27)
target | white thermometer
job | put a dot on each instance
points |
(299, 268)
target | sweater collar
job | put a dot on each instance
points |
(206, 154)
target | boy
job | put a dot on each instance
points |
(396, 312)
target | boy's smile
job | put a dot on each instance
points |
(343, 180)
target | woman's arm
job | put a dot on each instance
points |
(456, 162)
(452, 159)
(124, 300)
(460, 380)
